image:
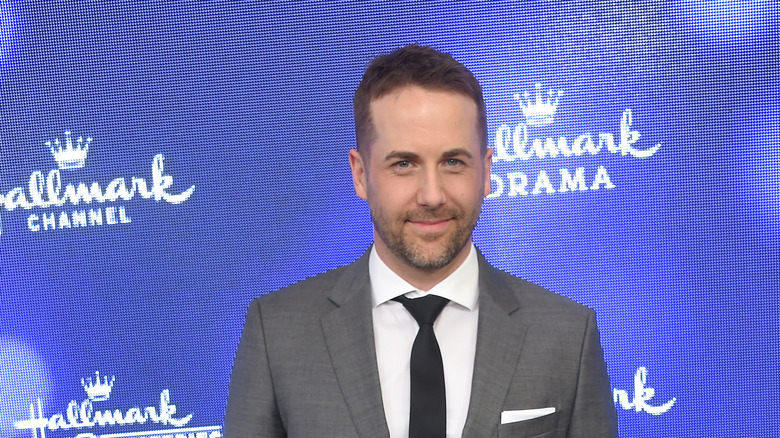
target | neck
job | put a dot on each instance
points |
(421, 279)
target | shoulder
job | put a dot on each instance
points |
(529, 298)
(322, 291)
(302, 290)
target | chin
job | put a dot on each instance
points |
(429, 260)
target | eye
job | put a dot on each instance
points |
(452, 162)
(403, 164)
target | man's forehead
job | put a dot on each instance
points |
(421, 107)
(396, 92)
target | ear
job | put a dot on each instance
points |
(358, 173)
(488, 162)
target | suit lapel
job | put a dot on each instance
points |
(499, 341)
(349, 336)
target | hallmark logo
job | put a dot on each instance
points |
(69, 157)
(85, 416)
(98, 391)
(513, 144)
(642, 395)
(47, 191)
(539, 112)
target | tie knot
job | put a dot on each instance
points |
(424, 309)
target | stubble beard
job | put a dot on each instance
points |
(405, 246)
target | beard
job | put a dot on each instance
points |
(415, 249)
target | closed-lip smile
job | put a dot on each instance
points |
(430, 225)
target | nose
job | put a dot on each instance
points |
(431, 191)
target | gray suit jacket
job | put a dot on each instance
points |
(306, 364)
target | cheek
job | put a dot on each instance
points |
(466, 192)
(387, 194)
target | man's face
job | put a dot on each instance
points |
(424, 177)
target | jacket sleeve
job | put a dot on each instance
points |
(251, 406)
(594, 413)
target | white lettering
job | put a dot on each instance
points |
(111, 215)
(608, 140)
(602, 177)
(642, 395)
(36, 423)
(36, 187)
(519, 142)
(564, 148)
(590, 146)
(139, 186)
(123, 217)
(64, 220)
(503, 137)
(82, 193)
(76, 412)
(15, 198)
(57, 422)
(549, 147)
(48, 221)
(629, 137)
(95, 217)
(577, 147)
(517, 183)
(79, 218)
(53, 193)
(117, 189)
(542, 182)
(32, 223)
(84, 415)
(499, 186)
(160, 182)
(53, 187)
(569, 183)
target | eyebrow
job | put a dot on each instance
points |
(403, 155)
(457, 152)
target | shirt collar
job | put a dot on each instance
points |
(460, 287)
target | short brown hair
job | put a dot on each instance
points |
(418, 65)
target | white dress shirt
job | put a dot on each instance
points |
(395, 330)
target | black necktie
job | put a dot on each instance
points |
(428, 408)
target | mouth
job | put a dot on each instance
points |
(429, 225)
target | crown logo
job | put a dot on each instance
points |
(70, 156)
(97, 390)
(539, 112)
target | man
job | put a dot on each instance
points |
(342, 355)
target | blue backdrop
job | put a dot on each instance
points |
(643, 181)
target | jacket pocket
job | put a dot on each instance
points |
(542, 427)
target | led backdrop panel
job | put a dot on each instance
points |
(162, 163)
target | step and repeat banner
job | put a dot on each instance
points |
(162, 163)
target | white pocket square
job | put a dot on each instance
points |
(524, 414)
